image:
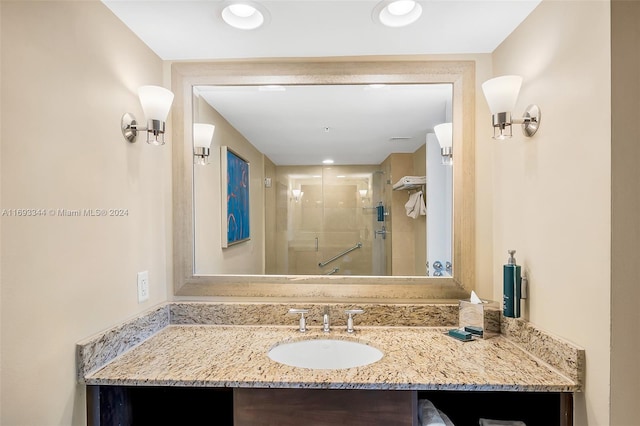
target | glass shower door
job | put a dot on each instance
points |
(330, 221)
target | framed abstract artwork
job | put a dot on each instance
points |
(235, 197)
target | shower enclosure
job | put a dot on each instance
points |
(326, 221)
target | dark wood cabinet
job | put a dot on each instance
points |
(158, 405)
(532, 408)
(319, 407)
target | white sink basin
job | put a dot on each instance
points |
(325, 354)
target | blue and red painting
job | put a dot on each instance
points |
(237, 199)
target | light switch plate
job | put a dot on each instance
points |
(143, 286)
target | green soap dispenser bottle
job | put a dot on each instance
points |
(512, 287)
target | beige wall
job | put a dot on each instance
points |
(420, 224)
(270, 217)
(210, 258)
(402, 227)
(69, 71)
(625, 238)
(552, 192)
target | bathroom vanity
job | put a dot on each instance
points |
(202, 372)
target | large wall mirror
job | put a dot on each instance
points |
(385, 220)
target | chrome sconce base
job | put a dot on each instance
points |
(447, 155)
(530, 121)
(130, 129)
(129, 125)
(201, 155)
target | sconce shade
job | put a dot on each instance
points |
(202, 135)
(444, 134)
(156, 102)
(297, 194)
(502, 93)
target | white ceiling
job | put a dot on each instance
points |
(290, 126)
(361, 121)
(182, 30)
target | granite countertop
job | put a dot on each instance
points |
(415, 358)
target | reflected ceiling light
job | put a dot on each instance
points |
(501, 94)
(444, 134)
(272, 88)
(398, 13)
(202, 136)
(327, 161)
(244, 15)
(156, 103)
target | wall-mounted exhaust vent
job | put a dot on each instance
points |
(400, 138)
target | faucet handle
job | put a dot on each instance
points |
(303, 321)
(326, 327)
(351, 312)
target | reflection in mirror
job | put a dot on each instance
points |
(351, 217)
(249, 285)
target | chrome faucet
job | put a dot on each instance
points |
(303, 321)
(325, 320)
(351, 313)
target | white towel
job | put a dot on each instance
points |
(447, 421)
(415, 206)
(410, 180)
(489, 422)
(428, 414)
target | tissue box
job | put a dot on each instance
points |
(484, 315)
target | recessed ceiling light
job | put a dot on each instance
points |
(401, 7)
(245, 15)
(327, 161)
(398, 13)
(242, 10)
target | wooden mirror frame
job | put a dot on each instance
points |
(310, 71)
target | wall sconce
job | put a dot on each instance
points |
(297, 194)
(202, 136)
(156, 103)
(444, 134)
(363, 192)
(501, 94)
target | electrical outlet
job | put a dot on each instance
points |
(143, 286)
